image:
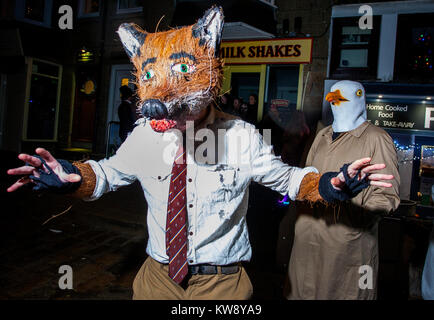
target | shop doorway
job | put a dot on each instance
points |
(83, 123)
(121, 74)
(244, 85)
(243, 81)
(283, 91)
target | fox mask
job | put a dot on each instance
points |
(178, 72)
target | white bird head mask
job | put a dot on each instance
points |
(348, 103)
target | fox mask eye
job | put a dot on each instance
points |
(148, 75)
(183, 68)
(179, 67)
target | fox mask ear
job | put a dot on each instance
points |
(209, 28)
(132, 38)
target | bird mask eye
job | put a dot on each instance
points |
(359, 93)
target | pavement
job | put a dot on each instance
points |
(103, 241)
(104, 253)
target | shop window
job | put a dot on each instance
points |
(129, 6)
(414, 48)
(88, 8)
(244, 84)
(423, 171)
(42, 101)
(282, 91)
(426, 173)
(34, 11)
(354, 51)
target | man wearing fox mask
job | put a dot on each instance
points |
(197, 197)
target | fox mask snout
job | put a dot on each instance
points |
(178, 72)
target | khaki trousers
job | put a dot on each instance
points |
(153, 283)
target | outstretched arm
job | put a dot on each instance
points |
(46, 172)
(38, 168)
(307, 184)
(343, 185)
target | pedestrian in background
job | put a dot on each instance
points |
(126, 112)
(252, 109)
(225, 103)
(236, 107)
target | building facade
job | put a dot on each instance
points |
(60, 87)
(57, 84)
(390, 52)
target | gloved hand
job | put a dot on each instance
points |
(49, 180)
(46, 173)
(351, 180)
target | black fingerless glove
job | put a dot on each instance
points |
(352, 187)
(50, 180)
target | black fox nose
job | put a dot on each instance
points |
(154, 109)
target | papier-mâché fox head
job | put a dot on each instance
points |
(178, 72)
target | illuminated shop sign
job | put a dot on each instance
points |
(410, 116)
(85, 55)
(281, 51)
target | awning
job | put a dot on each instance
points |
(241, 30)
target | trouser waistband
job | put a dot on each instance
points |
(212, 269)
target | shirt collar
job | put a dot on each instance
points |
(357, 132)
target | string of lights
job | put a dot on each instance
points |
(415, 150)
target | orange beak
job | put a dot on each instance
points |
(335, 97)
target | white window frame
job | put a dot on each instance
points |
(29, 62)
(389, 25)
(270, 3)
(128, 10)
(19, 13)
(82, 14)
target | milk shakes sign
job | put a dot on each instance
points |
(282, 51)
(401, 115)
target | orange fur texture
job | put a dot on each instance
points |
(309, 189)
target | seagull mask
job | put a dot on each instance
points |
(348, 103)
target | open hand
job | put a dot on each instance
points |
(33, 165)
(338, 182)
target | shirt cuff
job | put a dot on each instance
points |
(100, 181)
(294, 183)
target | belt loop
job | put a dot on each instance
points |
(219, 270)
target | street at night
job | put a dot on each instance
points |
(264, 150)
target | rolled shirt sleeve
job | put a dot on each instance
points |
(269, 170)
(120, 169)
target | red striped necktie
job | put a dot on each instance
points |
(176, 225)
